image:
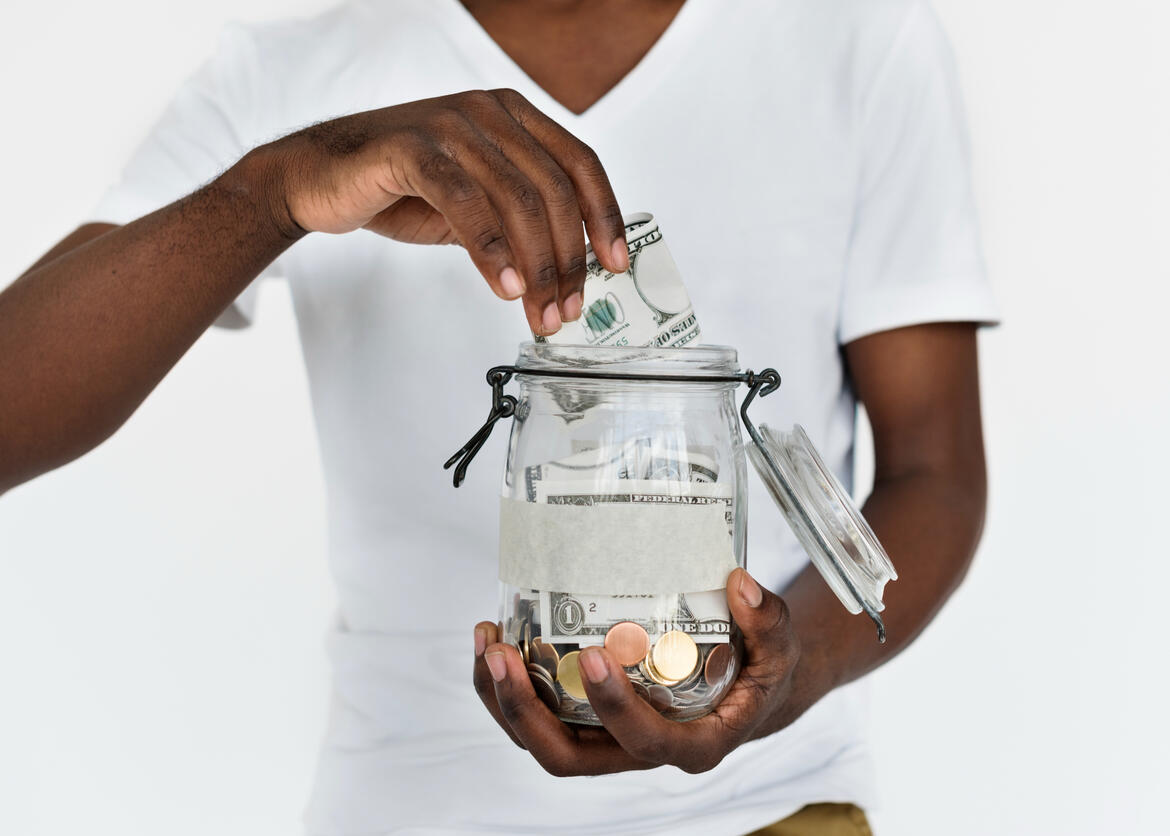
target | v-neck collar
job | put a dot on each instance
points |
(492, 62)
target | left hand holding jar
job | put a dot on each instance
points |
(634, 735)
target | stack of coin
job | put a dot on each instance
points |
(678, 677)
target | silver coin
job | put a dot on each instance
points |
(545, 690)
(660, 697)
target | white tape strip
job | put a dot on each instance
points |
(614, 549)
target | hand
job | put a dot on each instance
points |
(483, 169)
(635, 736)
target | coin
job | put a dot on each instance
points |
(569, 676)
(646, 668)
(717, 663)
(543, 685)
(545, 652)
(691, 682)
(548, 666)
(660, 696)
(627, 642)
(526, 641)
(674, 656)
(641, 690)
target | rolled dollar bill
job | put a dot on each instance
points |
(646, 305)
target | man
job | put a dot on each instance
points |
(807, 161)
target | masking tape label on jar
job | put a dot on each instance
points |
(635, 537)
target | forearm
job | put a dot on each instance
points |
(930, 522)
(85, 336)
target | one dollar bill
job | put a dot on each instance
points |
(573, 618)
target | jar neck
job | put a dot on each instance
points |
(617, 362)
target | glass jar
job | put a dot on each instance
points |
(624, 509)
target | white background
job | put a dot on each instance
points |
(163, 601)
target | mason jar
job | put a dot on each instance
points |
(624, 509)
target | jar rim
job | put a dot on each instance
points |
(629, 359)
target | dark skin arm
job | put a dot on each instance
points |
(920, 386)
(90, 330)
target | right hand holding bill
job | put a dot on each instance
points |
(482, 169)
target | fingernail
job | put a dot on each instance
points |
(480, 640)
(497, 665)
(749, 590)
(621, 254)
(511, 283)
(551, 320)
(593, 664)
(573, 306)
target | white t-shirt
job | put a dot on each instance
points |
(808, 164)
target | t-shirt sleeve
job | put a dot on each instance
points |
(206, 128)
(914, 253)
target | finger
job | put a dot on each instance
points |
(770, 645)
(638, 728)
(771, 651)
(486, 633)
(438, 180)
(559, 195)
(522, 211)
(413, 220)
(557, 747)
(595, 197)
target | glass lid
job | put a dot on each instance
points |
(824, 518)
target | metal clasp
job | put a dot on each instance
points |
(503, 406)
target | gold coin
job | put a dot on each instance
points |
(646, 668)
(628, 643)
(675, 655)
(569, 676)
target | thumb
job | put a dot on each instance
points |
(764, 620)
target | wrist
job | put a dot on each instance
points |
(261, 178)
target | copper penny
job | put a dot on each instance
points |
(628, 643)
(717, 663)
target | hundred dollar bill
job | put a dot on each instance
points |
(647, 305)
(647, 491)
(637, 458)
(570, 618)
